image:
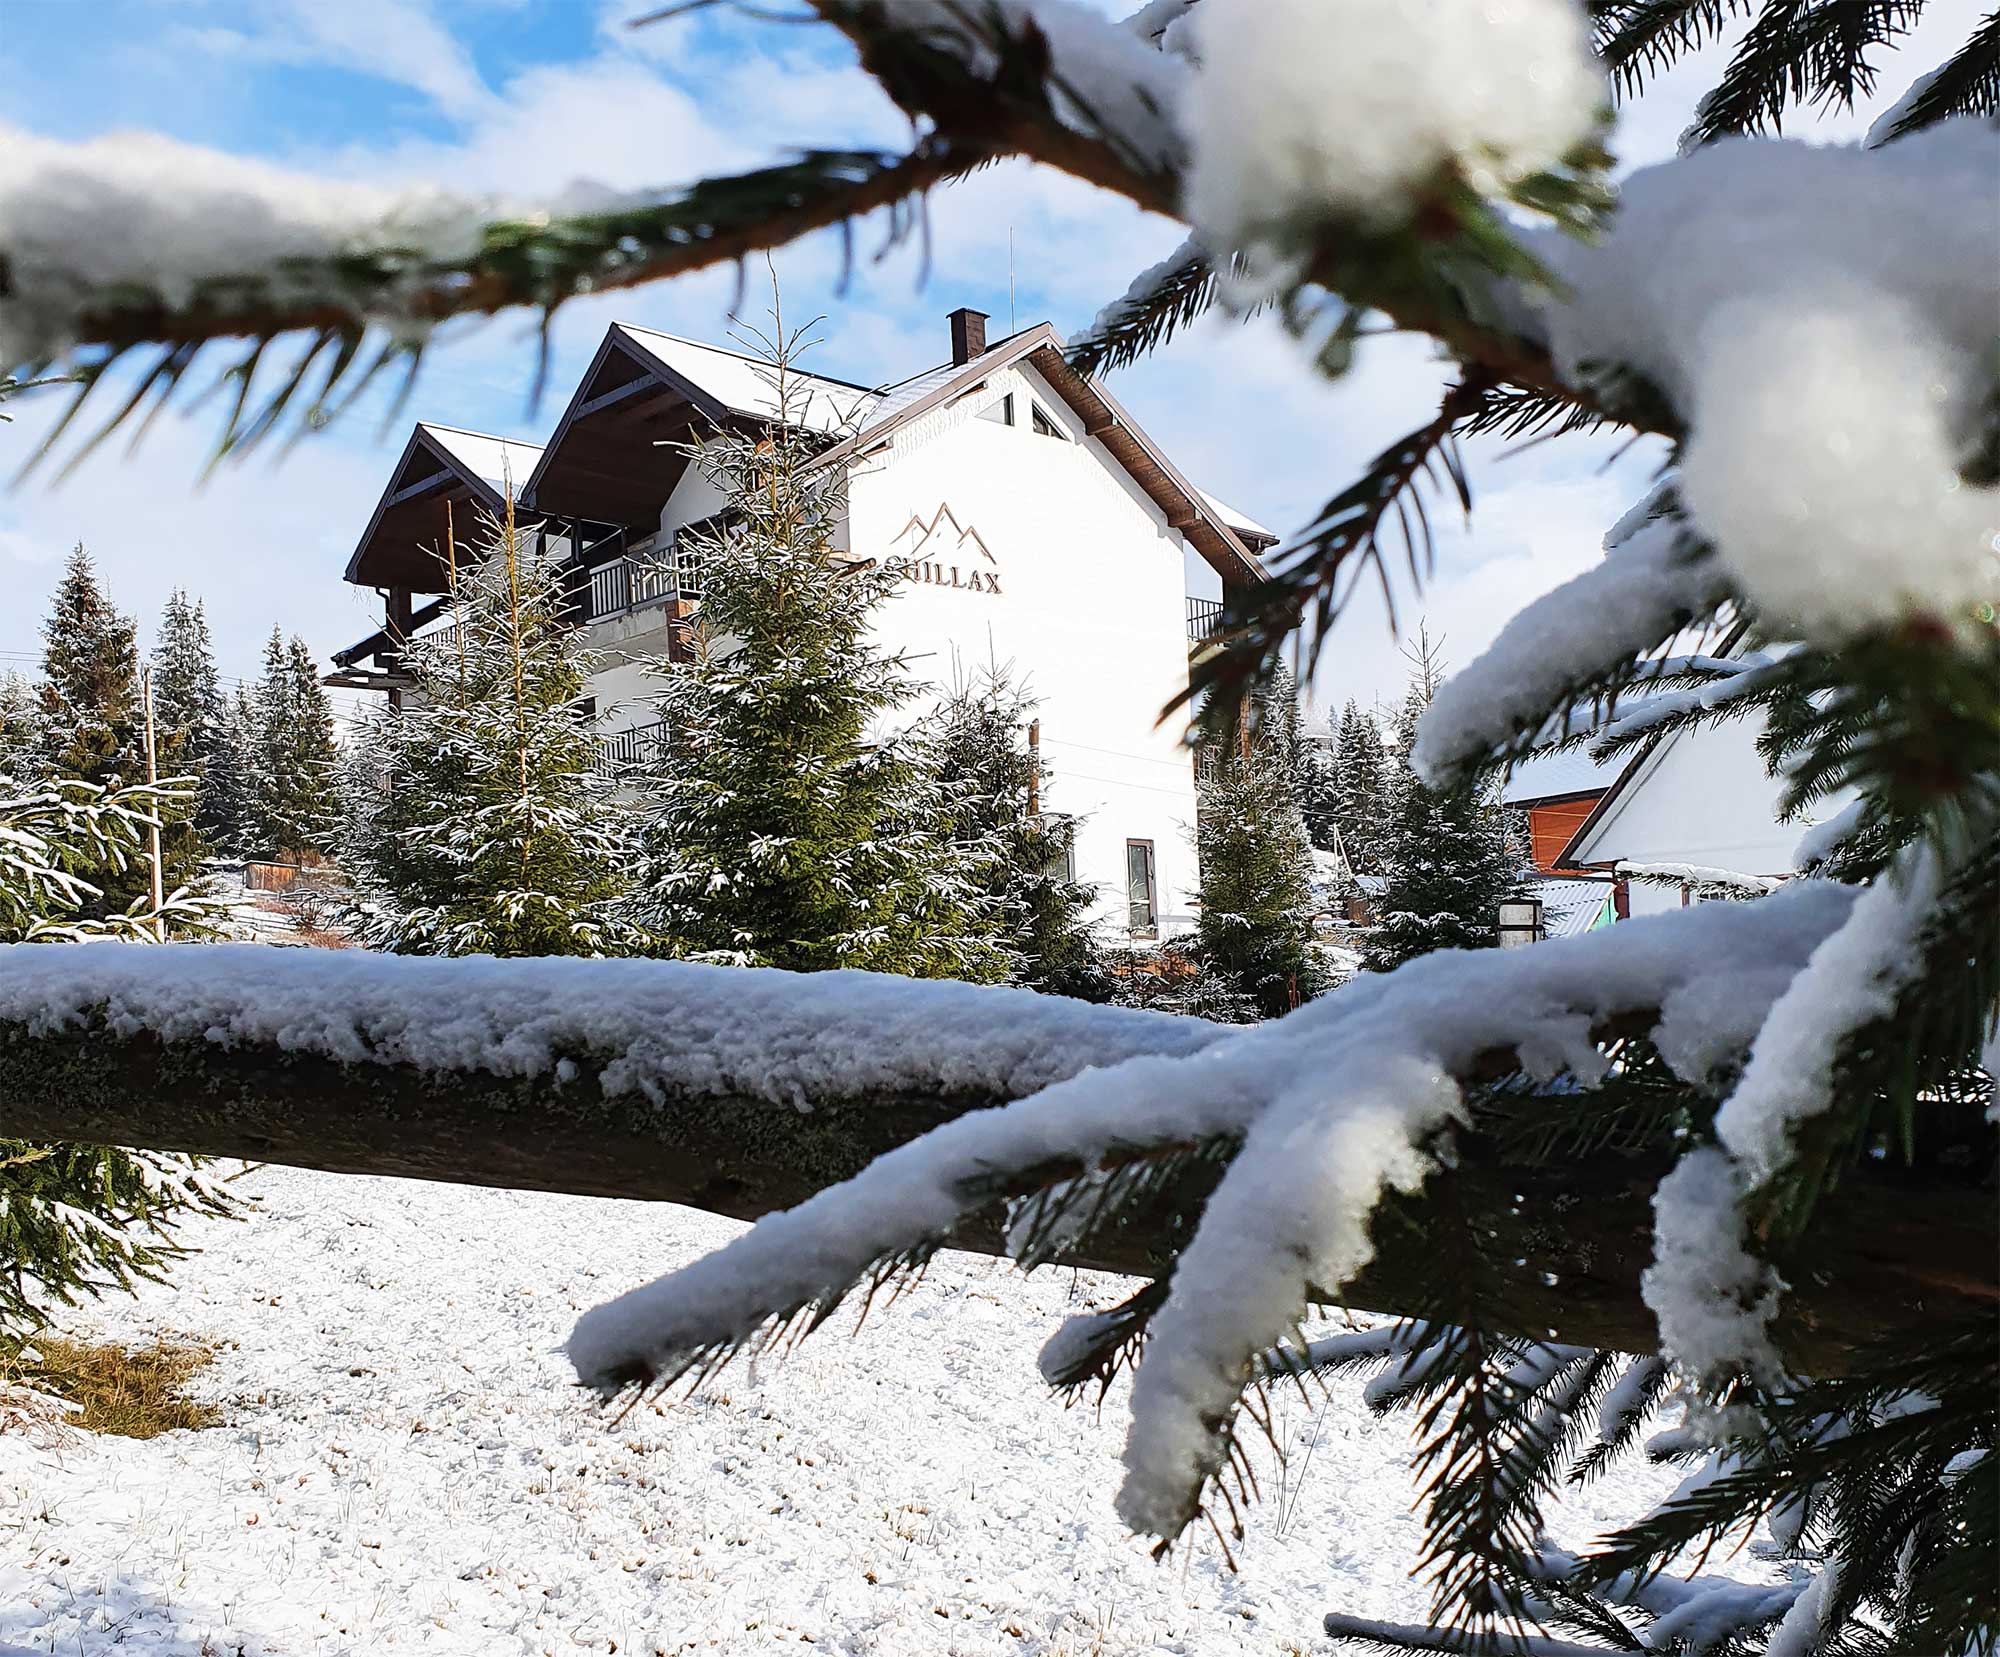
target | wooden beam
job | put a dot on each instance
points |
(1890, 1253)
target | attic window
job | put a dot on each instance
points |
(1045, 427)
(1002, 412)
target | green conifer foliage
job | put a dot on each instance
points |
(1359, 788)
(481, 822)
(295, 759)
(1255, 938)
(1446, 853)
(788, 825)
(982, 753)
(188, 713)
(77, 1219)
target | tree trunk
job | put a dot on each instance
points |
(1889, 1252)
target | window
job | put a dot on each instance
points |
(1044, 426)
(1141, 889)
(1002, 412)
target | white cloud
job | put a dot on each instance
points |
(400, 41)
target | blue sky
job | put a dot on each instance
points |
(526, 96)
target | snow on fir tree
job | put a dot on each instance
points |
(76, 1220)
(90, 726)
(1447, 859)
(1360, 788)
(788, 821)
(980, 748)
(294, 755)
(1255, 935)
(189, 714)
(481, 824)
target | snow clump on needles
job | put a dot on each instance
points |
(1823, 318)
(1304, 108)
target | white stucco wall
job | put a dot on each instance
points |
(1702, 797)
(1090, 613)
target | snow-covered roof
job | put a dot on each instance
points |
(1234, 519)
(1570, 907)
(1551, 776)
(742, 383)
(495, 461)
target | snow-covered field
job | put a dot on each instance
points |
(406, 1466)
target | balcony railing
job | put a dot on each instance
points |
(625, 751)
(650, 573)
(1204, 619)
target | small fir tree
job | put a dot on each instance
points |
(20, 725)
(481, 824)
(981, 751)
(1359, 788)
(1255, 936)
(786, 825)
(1446, 854)
(78, 1219)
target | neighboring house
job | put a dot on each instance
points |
(1556, 792)
(1694, 815)
(1032, 523)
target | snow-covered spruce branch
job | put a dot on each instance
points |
(1549, 668)
(125, 242)
(1700, 876)
(1333, 1105)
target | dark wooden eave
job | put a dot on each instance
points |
(610, 458)
(403, 545)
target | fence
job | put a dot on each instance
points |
(623, 751)
(1204, 619)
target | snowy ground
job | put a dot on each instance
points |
(406, 1467)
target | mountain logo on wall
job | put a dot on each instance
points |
(944, 536)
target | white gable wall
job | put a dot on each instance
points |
(1703, 797)
(1091, 611)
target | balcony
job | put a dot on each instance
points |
(1204, 620)
(623, 752)
(649, 572)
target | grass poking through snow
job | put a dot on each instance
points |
(127, 1392)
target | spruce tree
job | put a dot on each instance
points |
(1255, 935)
(188, 709)
(1359, 788)
(1445, 853)
(20, 725)
(229, 796)
(480, 823)
(295, 758)
(980, 750)
(91, 728)
(90, 682)
(788, 824)
(77, 1219)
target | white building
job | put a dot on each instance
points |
(1034, 524)
(1692, 813)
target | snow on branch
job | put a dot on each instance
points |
(1715, 1300)
(652, 1028)
(1700, 875)
(1655, 579)
(1333, 1104)
(1821, 317)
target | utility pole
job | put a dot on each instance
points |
(152, 780)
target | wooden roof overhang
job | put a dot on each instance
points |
(607, 461)
(403, 545)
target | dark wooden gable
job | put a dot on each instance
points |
(403, 545)
(607, 461)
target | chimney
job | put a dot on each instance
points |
(968, 335)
